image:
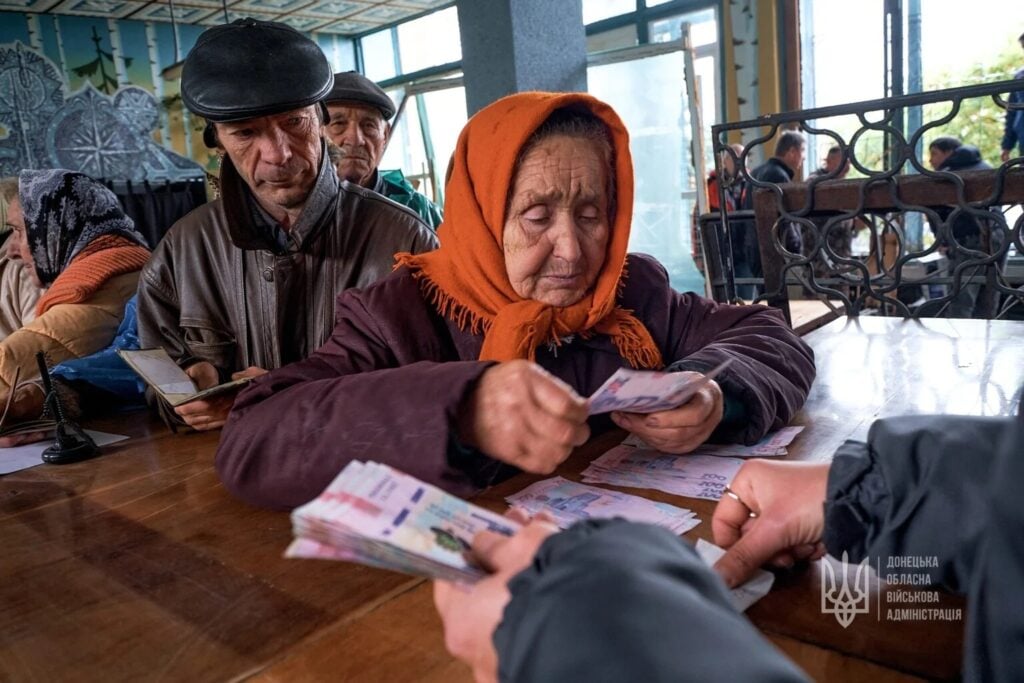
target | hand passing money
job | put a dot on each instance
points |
(375, 515)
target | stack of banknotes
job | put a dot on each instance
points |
(375, 515)
(568, 502)
(693, 476)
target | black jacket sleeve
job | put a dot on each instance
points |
(620, 601)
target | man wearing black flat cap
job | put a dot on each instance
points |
(359, 112)
(247, 283)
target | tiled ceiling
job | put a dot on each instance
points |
(348, 17)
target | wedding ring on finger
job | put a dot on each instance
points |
(735, 496)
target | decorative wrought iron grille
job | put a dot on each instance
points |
(939, 242)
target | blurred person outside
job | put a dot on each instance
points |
(783, 167)
(1013, 135)
(967, 231)
(733, 188)
(839, 239)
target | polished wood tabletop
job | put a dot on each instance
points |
(139, 566)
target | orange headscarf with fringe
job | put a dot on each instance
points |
(466, 277)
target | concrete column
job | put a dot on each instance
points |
(510, 46)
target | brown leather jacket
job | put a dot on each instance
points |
(225, 287)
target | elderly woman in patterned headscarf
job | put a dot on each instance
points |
(78, 245)
(470, 361)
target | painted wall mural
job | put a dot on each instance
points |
(96, 95)
(102, 135)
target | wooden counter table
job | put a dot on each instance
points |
(139, 566)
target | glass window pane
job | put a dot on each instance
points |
(340, 51)
(996, 58)
(345, 54)
(708, 75)
(841, 31)
(596, 10)
(444, 113)
(379, 56)
(826, 49)
(659, 132)
(979, 122)
(703, 28)
(429, 41)
(624, 36)
(405, 150)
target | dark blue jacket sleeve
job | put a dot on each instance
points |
(946, 488)
(917, 488)
(619, 601)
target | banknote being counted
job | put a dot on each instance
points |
(375, 515)
(640, 391)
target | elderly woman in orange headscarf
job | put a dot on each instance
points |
(469, 363)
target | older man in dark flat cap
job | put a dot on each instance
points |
(359, 112)
(247, 283)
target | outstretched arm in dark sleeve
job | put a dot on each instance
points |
(772, 368)
(918, 488)
(294, 429)
(606, 600)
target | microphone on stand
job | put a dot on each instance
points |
(72, 443)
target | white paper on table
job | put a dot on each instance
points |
(22, 457)
(742, 596)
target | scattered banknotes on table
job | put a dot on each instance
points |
(742, 596)
(693, 476)
(639, 391)
(375, 515)
(771, 445)
(569, 502)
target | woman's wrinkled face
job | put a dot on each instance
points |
(17, 243)
(556, 226)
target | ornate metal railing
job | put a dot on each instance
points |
(972, 267)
